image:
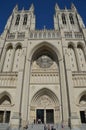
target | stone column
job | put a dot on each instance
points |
(16, 118)
(77, 58)
(4, 117)
(12, 59)
(63, 93)
(26, 89)
(2, 59)
(73, 117)
(45, 116)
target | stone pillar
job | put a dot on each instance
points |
(12, 59)
(4, 117)
(45, 116)
(25, 99)
(2, 59)
(73, 117)
(2, 47)
(16, 118)
(77, 58)
(63, 93)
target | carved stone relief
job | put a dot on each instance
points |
(45, 101)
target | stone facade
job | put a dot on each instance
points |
(43, 72)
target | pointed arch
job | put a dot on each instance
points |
(8, 46)
(81, 57)
(7, 96)
(25, 19)
(45, 99)
(72, 56)
(18, 45)
(47, 92)
(51, 48)
(17, 19)
(71, 18)
(63, 19)
(8, 58)
(17, 54)
(81, 103)
(5, 107)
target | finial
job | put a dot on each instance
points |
(15, 8)
(73, 7)
(65, 8)
(57, 7)
(23, 9)
(32, 7)
(44, 27)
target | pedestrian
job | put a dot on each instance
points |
(48, 127)
(45, 128)
(52, 128)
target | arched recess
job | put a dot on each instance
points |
(47, 101)
(71, 18)
(9, 95)
(72, 56)
(81, 57)
(63, 19)
(45, 72)
(8, 58)
(48, 46)
(5, 107)
(44, 65)
(25, 19)
(82, 106)
(17, 19)
(17, 57)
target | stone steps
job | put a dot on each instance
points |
(36, 127)
(4, 126)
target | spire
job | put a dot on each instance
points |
(23, 9)
(57, 7)
(65, 8)
(73, 7)
(15, 8)
(31, 8)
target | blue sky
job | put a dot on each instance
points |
(44, 10)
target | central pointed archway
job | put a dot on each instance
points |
(45, 106)
(44, 77)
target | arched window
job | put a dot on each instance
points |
(25, 19)
(5, 103)
(83, 100)
(17, 58)
(17, 20)
(5, 100)
(63, 19)
(8, 58)
(71, 19)
(72, 56)
(82, 103)
(81, 57)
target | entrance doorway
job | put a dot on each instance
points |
(1, 116)
(7, 118)
(4, 116)
(40, 115)
(45, 115)
(82, 115)
(49, 116)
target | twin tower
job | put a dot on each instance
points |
(66, 19)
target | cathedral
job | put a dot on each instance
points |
(43, 72)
